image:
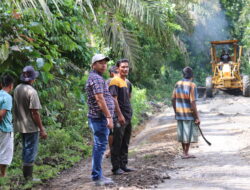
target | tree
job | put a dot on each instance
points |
(160, 18)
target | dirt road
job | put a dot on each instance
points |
(156, 154)
(151, 154)
(224, 165)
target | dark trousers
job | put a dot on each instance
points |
(30, 147)
(119, 150)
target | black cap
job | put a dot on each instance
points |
(187, 72)
(113, 69)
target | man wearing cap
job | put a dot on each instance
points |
(183, 101)
(101, 110)
(27, 119)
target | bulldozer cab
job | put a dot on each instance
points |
(231, 44)
(226, 68)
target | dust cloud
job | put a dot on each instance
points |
(210, 25)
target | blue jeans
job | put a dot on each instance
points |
(30, 147)
(100, 137)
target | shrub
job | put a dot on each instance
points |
(139, 105)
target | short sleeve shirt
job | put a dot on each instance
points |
(129, 86)
(97, 85)
(25, 99)
(6, 104)
(108, 81)
(122, 89)
(127, 81)
(184, 93)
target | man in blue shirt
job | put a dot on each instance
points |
(6, 127)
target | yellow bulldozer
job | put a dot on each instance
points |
(226, 69)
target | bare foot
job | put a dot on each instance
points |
(184, 156)
(187, 156)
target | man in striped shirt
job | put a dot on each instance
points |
(184, 103)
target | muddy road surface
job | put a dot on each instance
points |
(156, 155)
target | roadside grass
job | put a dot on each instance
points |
(132, 153)
(140, 105)
(60, 151)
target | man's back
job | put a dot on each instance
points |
(185, 92)
(25, 99)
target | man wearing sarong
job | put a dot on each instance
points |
(184, 103)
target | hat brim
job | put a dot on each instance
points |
(27, 79)
(105, 58)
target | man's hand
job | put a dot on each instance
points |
(110, 124)
(2, 114)
(197, 121)
(121, 119)
(38, 121)
(43, 134)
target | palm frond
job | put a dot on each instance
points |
(154, 16)
(42, 4)
(122, 40)
(184, 21)
(83, 4)
(35, 4)
(149, 13)
(130, 46)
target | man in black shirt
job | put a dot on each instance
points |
(121, 91)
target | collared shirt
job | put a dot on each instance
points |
(97, 85)
(184, 93)
(122, 89)
(25, 99)
(6, 104)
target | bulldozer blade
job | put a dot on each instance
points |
(201, 91)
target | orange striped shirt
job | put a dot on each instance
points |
(184, 93)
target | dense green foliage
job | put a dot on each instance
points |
(238, 16)
(58, 48)
(153, 35)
